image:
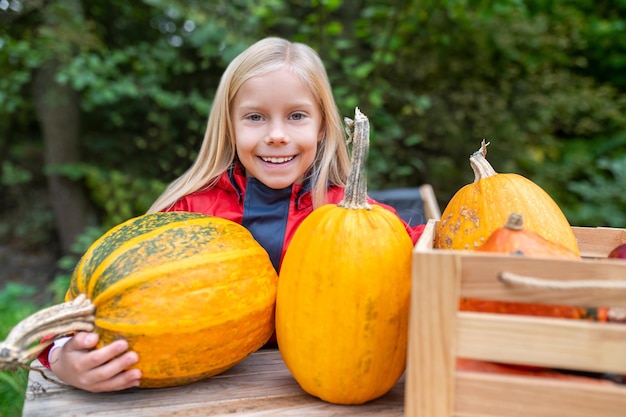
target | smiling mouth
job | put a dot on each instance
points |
(277, 160)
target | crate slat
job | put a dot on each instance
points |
(552, 343)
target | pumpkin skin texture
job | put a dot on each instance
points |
(478, 209)
(192, 294)
(343, 296)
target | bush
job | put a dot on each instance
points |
(14, 306)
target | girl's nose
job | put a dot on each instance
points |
(277, 134)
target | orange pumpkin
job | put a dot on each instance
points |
(343, 294)
(477, 209)
(513, 238)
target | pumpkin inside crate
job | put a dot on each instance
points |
(507, 241)
(515, 240)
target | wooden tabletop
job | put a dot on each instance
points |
(261, 385)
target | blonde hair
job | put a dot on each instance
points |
(217, 153)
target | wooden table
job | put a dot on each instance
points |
(261, 385)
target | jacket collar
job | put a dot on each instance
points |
(237, 180)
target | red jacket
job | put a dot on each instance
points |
(272, 216)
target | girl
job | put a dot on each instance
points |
(274, 149)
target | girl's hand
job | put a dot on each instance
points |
(97, 370)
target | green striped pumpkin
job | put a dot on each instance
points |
(192, 294)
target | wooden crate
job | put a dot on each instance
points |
(439, 333)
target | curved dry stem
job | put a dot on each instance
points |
(58, 320)
(478, 161)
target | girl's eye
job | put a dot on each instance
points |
(255, 117)
(297, 116)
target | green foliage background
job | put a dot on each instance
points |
(542, 80)
(14, 305)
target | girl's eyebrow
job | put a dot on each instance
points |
(295, 103)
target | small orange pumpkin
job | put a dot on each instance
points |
(514, 239)
(477, 209)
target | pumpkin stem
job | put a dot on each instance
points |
(355, 195)
(515, 222)
(58, 320)
(478, 161)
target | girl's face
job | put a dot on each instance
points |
(277, 124)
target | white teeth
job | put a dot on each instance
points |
(277, 160)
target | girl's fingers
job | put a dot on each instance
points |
(84, 340)
(101, 356)
(124, 380)
(112, 375)
(107, 368)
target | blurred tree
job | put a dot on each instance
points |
(58, 111)
(434, 77)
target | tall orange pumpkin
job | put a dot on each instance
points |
(478, 209)
(343, 294)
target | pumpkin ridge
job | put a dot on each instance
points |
(194, 239)
(194, 261)
(104, 245)
(155, 327)
(205, 342)
(142, 242)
